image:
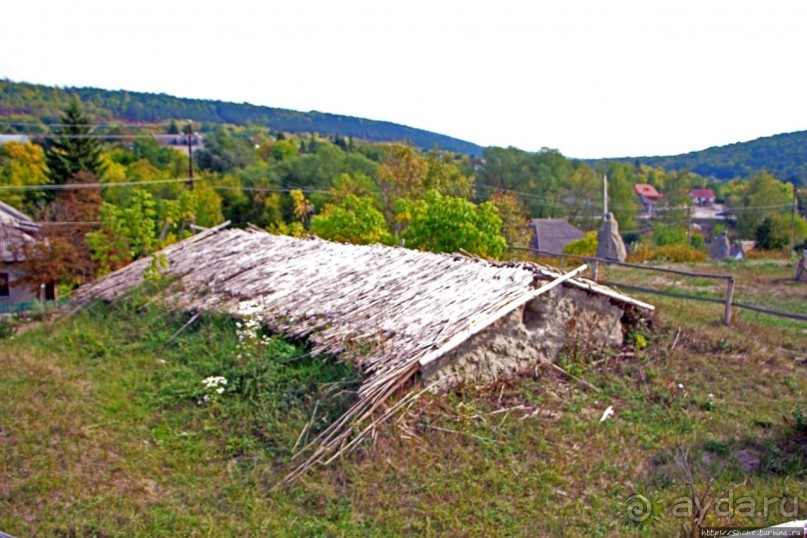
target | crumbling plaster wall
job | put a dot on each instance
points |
(529, 335)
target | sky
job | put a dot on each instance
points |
(590, 78)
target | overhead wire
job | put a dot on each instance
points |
(86, 136)
(78, 186)
(99, 124)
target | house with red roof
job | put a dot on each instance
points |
(648, 195)
(702, 197)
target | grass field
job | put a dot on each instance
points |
(104, 430)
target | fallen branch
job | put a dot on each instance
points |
(572, 376)
(187, 324)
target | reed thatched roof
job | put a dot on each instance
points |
(385, 309)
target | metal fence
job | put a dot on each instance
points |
(18, 308)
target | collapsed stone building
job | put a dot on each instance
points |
(397, 314)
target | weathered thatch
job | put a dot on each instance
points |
(388, 310)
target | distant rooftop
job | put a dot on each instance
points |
(13, 138)
(702, 193)
(647, 190)
(552, 235)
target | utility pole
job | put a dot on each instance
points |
(793, 220)
(189, 134)
(689, 224)
(605, 196)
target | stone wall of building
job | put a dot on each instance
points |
(532, 334)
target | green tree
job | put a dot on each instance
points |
(74, 150)
(405, 173)
(621, 198)
(303, 209)
(400, 175)
(22, 165)
(449, 224)
(283, 150)
(224, 152)
(354, 220)
(773, 233)
(358, 185)
(676, 196)
(515, 224)
(765, 196)
(125, 234)
(583, 197)
(445, 177)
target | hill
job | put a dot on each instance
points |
(19, 99)
(783, 155)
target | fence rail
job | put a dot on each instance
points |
(728, 301)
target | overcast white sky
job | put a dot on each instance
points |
(592, 78)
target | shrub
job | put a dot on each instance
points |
(667, 235)
(355, 220)
(8, 327)
(698, 241)
(758, 254)
(800, 419)
(773, 233)
(670, 253)
(585, 246)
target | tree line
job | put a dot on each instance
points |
(336, 187)
(24, 102)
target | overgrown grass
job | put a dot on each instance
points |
(104, 432)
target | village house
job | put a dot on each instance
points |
(648, 196)
(18, 231)
(702, 197)
(552, 235)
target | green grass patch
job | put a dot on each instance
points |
(105, 431)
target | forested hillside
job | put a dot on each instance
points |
(136, 197)
(22, 101)
(783, 155)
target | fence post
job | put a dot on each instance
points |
(729, 297)
(595, 269)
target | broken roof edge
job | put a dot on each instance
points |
(542, 272)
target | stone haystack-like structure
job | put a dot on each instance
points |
(610, 245)
(720, 248)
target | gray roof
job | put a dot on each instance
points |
(13, 138)
(17, 231)
(552, 235)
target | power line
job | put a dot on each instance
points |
(87, 136)
(102, 124)
(753, 208)
(546, 203)
(267, 189)
(77, 186)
